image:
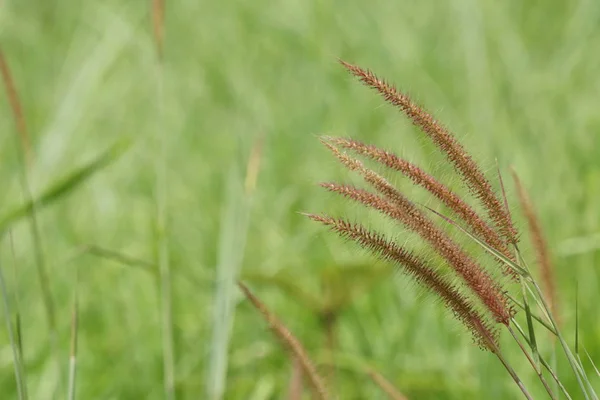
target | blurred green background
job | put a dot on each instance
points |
(518, 82)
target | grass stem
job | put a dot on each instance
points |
(17, 360)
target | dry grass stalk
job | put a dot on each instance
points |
(253, 166)
(454, 151)
(398, 207)
(295, 384)
(420, 272)
(15, 104)
(385, 385)
(158, 25)
(541, 248)
(291, 343)
(443, 193)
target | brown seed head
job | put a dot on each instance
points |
(402, 210)
(454, 151)
(418, 270)
(475, 222)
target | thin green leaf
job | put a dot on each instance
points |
(544, 362)
(531, 329)
(577, 318)
(74, 339)
(65, 185)
(592, 361)
(17, 361)
(534, 316)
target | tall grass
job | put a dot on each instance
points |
(162, 234)
(516, 81)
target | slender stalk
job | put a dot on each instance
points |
(539, 297)
(24, 154)
(549, 368)
(533, 364)
(579, 374)
(512, 373)
(17, 302)
(538, 319)
(295, 384)
(166, 301)
(74, 339)
(17, 361)
(291, 343)
(385, 385)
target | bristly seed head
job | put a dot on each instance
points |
(464, 164)
(461, 208)
(392, 203)
(484, 335)
(402, 210)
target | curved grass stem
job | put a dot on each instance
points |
(512, 373)
(532, 362)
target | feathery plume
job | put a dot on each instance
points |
(447, 143)
(443, 193)
(398, 207)
(539, 243)
(420, 272)
(290, 342)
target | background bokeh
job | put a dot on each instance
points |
(255, 83)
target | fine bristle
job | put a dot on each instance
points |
(419, 271)
(443, 193)
(396, 206)
(464, 164)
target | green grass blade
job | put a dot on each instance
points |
(592, 362)
(18, 327)
(65, 185)
(577, 318)
(543, 361)
(17, 360)
(230, 256)
(161, 216)
(74, 339)
(531, 329)
(534, 316)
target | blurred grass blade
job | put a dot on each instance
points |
(287, 286)
(291, 343)
(17, 361)
(385, 385)
(161, 179)
(74, 339)
(577, 318)
(25, 157)
(232, 241)
(65, 185)
(17, 110)
(18, 328)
